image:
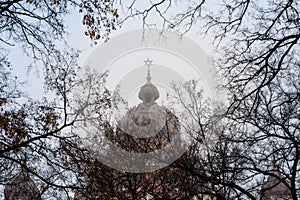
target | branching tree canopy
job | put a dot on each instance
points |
(255, 135)
(34, 132)
(258, 44)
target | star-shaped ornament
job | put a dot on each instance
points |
(148, 62)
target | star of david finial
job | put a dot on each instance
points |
(148, 63)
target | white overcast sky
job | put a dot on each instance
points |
(77, 39)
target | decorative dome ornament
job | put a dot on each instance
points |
(148, 92)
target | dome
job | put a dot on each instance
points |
(147, 124)
(148, 93)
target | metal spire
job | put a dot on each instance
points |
(148, 63)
